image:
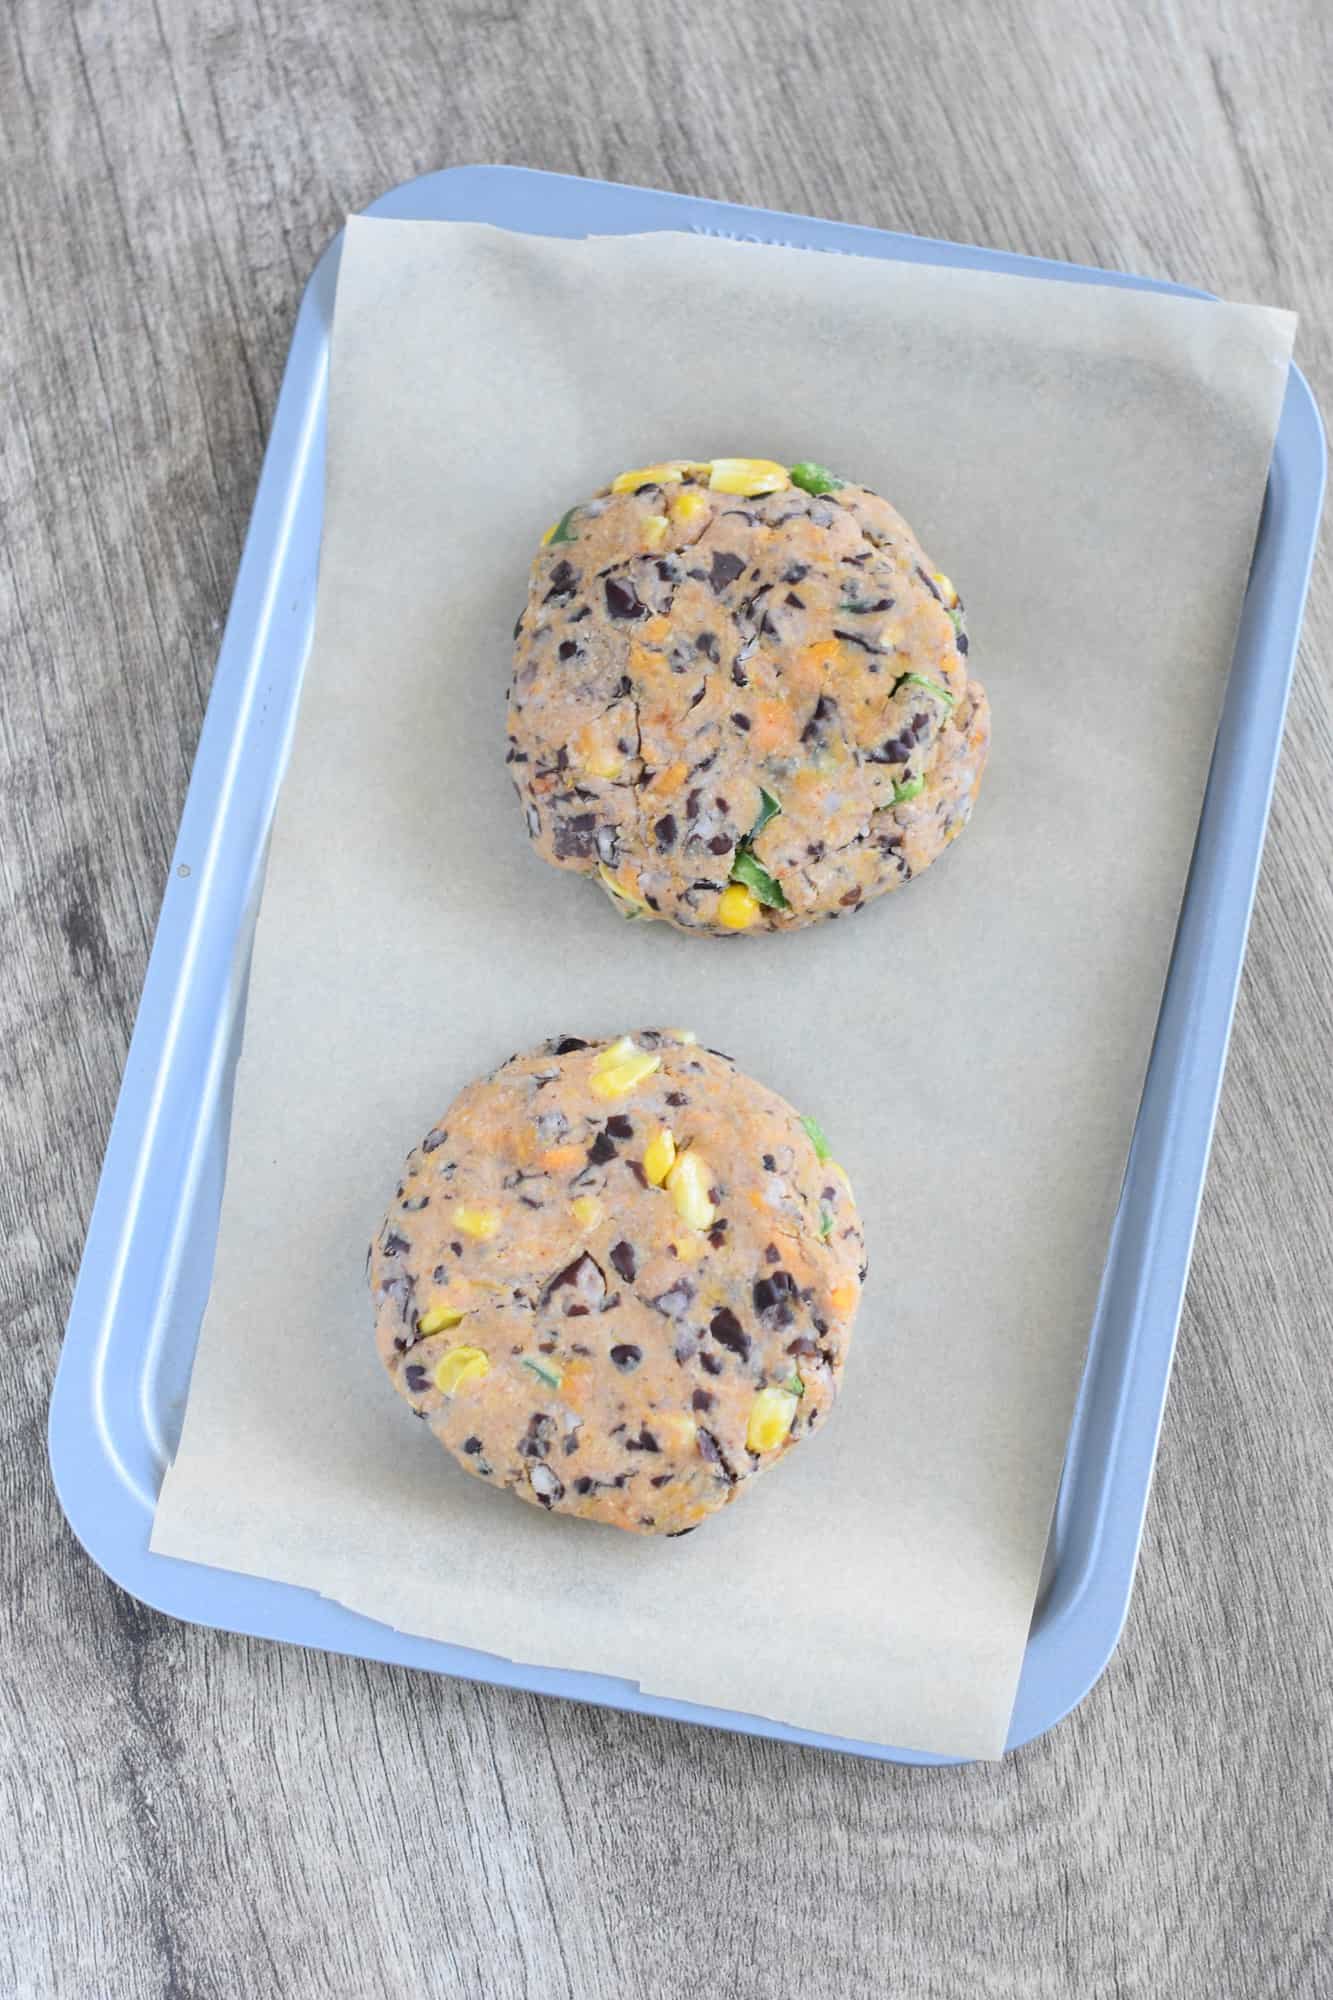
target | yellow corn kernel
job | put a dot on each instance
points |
(620, 1078)
(748, 475)
(654, 530)
(659, 1156)
(439, 1319)
(460, 1364)
(586, 1211)
(772, 1414)
(689, 1249)
(615, 1052)
(671, 472)
(843, 1297)
(685, 1035)
(833, 1168)
(736, 907)
(688, 1183)
(687, 507)
(604, 763)
(479, 1223)
(947, 590)
(549, 536)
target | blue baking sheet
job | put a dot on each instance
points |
(120, 1390)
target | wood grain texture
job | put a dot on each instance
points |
(187, 1814)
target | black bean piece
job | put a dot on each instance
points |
(706, 643)
(626, 1357)
(563, 579)
(740, 721)
(620, 1127)
(568, 649)
(661, 1479)
(739, 676)
(567, 1045)
(795, 571)
(394, 1244)
(675, 1299)
(771, 1293)
(434, 1140)
(583, 1484)
(770, 1166)
(622, 600)
(576, 838)
(702, 1399)
(416, 1378)
(803, 1345)
(710, 1363)
(674, 1534)
(584, 1277)
(721, 843)
(726, 568)
(602, 1149)
(665, 831)
(622, 1256)
(636, 1168)
(415, 1203)
(710, 1449)
(472, 1446)
(961, 642)
(728, 1331)
(518, 625)
(796, 603)
(545, 1485)
(677, 1098)
(717, 1235)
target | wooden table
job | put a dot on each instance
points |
(186, 1814)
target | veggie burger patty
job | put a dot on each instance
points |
(740, 697)
(619, 1278)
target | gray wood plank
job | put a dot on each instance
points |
(184, 1813)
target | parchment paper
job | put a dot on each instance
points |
(1088, 465)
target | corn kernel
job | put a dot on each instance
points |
(688, 1183)
(772, 1414)
(689, 1249)
(439, 1319)
(479, 1223)
(603, 763)
(655, 530)
(947, 590)
(841, 1172)
(460, 1364)
(586, 1211)
(549, 536)
(620, 1078)
(671, 472)
(685, 1035)
(687, 507)
(748, 475)
(736, 907)
(615, 1052)
(843, 1297)
(659, 1156)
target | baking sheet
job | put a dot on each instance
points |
(1088, 464)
